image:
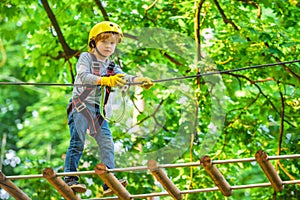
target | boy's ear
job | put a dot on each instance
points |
(92, 43)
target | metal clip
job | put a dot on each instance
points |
(125, 87)
(81, 107)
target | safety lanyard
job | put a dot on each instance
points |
(102, 105)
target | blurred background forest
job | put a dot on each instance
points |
(228, 115)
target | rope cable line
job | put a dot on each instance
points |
(141, 168)
(162, 80)
(177, 165)
(194, 191)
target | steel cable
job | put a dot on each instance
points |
(161, 80)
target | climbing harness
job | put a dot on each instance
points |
(78, 103)
(105, 95)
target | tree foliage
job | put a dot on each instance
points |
(225, 116)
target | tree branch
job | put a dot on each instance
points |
(159, 124)
(225, 19)
(283, 65)
(287, 69)
(260, 90)
(281, 130)
(257, 86)
(278, 163)
(103, 11)
(264, 80)
(68, 52)
(150, 7)
(134, 37)
(71, 71)
(147, 9)
(197, 37)
(170, 58)
(252, 3)
(243, 110)
(197, 29)
(149, 116)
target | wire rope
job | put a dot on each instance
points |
(161, 80)
(141, 168)
(194, 191)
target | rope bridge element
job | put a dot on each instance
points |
(162, 80)
(157, 171)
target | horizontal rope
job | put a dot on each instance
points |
(228, 71)
(236, 187)
(195, 164)
(143, 168)
(161, 80)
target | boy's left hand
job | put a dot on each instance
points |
(146, 82)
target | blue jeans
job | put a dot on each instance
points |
(78, 128)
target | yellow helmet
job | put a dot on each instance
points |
(102, 27)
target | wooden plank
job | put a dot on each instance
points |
(59, 185)
(162, 177)
(11, 188)
(262, 159)
(112, 182)
(216, 175)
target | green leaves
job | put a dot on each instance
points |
(226, 116)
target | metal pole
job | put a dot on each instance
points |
(126, 169)
(140, 168)
(59, 184)
(12, 189)
(162, 177)
(233, 161)
(195, 164)
(284, 156)
(57, 174)
(236, 187)
(269, 170)
(112, 182)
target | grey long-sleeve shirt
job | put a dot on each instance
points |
(85, 76)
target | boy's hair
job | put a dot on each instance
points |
(103, 36)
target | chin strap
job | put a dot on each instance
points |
(97, 50)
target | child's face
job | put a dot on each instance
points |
(107, 46)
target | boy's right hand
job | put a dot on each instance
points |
(112, 81)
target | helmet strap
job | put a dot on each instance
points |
(100, 54)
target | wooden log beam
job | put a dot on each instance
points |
(11, 188)
(275, 180)
(162, 177)
(216, 175)
(112, 182)
(59, 184)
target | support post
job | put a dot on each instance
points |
(216, 175)
(112, 182)
(262, 159)
(162, 177)
(11, 188)
(59, 184)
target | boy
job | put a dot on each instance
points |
(94, 69)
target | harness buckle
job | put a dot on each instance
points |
(81, 107)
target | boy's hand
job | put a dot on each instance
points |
(146, 82)
(112, 81)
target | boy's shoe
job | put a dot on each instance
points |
(107, 191)
(72, 182)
